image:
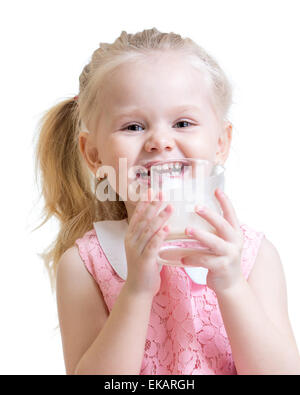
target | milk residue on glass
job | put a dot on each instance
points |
(184, 187)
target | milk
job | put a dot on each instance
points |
(195, 187)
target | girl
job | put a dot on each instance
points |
(148, 97)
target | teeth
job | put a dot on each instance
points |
(168, 168)
(144, 174)
(173, 168)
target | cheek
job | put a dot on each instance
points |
(204, 147)
(114, 148)
(122, 146)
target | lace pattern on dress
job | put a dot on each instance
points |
(186, 334)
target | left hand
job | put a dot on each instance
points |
(224, 259)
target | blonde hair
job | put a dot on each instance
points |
(67, 185)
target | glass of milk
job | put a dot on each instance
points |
(185, 183)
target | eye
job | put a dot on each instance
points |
(132, 125)
(183, 122)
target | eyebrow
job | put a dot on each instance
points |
(133, 110)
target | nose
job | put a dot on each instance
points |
(159, 141)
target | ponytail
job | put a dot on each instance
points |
(65, 181)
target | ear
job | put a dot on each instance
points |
(224, 143)
(89, 151)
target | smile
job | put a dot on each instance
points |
(172, 169)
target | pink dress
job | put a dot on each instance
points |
(186, 334)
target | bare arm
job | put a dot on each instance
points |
(255, 313)
(255, 316)
(93, 341)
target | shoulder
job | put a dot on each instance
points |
(266, 276)
(76, 264)
(71, 269)
(268, 250)
(73, 279)
(267, 263)
(81, 307)
(70, 259)
(267, 280)
(267, 270)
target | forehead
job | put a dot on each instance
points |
(164, 82)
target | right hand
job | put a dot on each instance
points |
(145, 235)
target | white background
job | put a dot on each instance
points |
(44, 46)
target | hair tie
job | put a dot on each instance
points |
(75, 98)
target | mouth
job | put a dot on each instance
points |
(171, 169)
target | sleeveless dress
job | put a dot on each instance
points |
(186, 335)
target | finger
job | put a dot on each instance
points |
(207, 261)
(227, 208)
(152, 207)
(152, 247)
(154, 226)
(223, 228)
(146, 218)
(143, 202)
(217, 245)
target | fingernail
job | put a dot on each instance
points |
(169, 208)
(185, 261)
(200, 209)
(189, 231)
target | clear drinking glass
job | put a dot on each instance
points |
(185, 183)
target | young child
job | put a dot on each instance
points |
(147, 97)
